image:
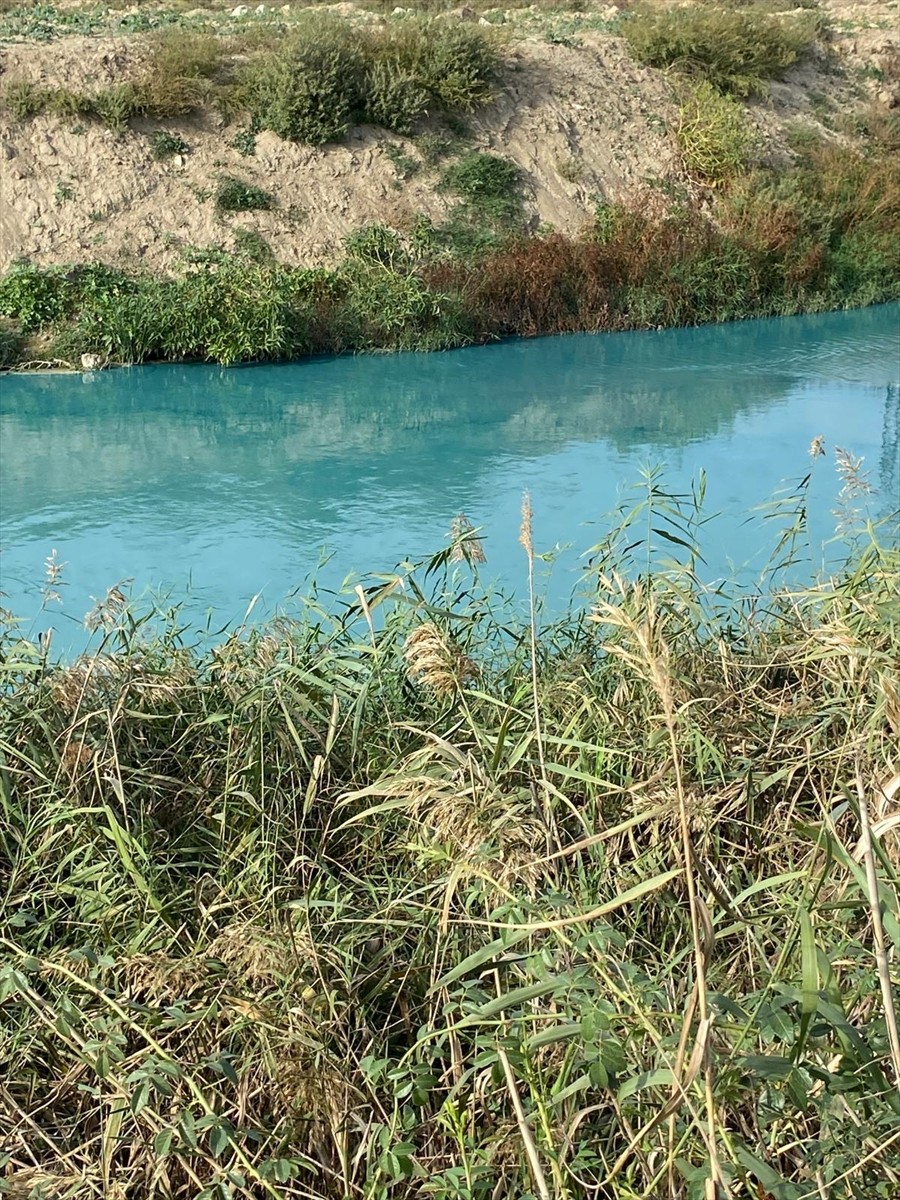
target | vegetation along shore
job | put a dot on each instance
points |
(417, 899)
(244, 184)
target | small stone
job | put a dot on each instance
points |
(240, 11)
(92, 362)
(260, 8)
(8, 151)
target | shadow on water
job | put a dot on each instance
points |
(160, 471)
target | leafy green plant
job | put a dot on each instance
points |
(434, 147)
(736, 50)
(487, 183)
(12, 346)
(115, 105)
(24, 100)
(235, 195)
(310, 89)
(164, 144)
(244, 141)
(250, 244)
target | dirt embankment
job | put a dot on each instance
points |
(573, 110)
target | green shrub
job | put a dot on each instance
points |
(376, 244)
(34, 297)
(736, 50)
(164, 144)
(12, 346)
(244, 141)
(395, 97)
(330, 76)
(311, 90)
(714, 134)
(179, 74)
(460, 65)
(234, 195)
(487, 183)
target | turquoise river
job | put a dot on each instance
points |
(222, 485)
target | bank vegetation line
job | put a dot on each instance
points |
(410, 896)
(822, 236)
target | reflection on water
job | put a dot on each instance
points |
(236, 480)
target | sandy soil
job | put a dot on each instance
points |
(581, 119)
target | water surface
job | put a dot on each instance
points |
(230, 483)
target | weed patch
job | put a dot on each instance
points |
(235, 195)
(736, 50)
(164, 144)
(487, 184)
(714, 134)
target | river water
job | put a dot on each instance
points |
(221, 485)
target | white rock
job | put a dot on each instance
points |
(260, 8)
(240, 11)
(399, 12)
(92, 362)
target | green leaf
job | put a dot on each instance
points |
(766, 1066)
(556, 1033)
(219, 1140)
(765, 1175)
(521, 995)
(810, 967)
(577, 1085)
(480, 958)
(637, 1083)
(162, 1142)
(140, 1097)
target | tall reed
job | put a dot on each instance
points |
(410, 899)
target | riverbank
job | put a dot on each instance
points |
(820, 236)
(341, 179)
(411, 902)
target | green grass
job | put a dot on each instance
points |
(487, 184)
(417, 901)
